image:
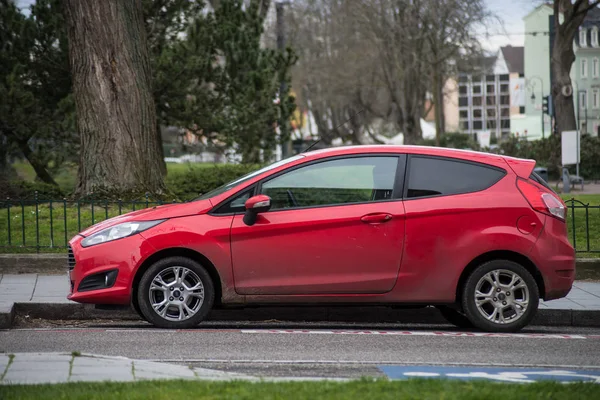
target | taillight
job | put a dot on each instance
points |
(541, 200)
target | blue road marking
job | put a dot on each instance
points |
(498, 374)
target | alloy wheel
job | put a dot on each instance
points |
(502, 296)
(176, 293)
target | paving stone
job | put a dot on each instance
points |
(163, 368)
(53, 299)
(3, 362)
(41, 365)
(40, 357)
(101, 377)
(36, 376)
(27, 279)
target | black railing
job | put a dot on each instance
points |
(584, 226)
(50, 224)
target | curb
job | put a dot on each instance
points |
(428, 315)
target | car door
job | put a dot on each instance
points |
(335, 226)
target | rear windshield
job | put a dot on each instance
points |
(535, 177)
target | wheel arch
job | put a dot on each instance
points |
(177, 252)
(500, 255)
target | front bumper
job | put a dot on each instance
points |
(123, 257)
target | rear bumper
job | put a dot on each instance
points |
(555, 258)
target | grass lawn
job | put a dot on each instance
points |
(359, 389)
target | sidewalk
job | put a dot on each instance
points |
(32, 368)
(46, 296)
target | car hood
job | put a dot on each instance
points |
(153, 213)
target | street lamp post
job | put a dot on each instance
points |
(542, 96)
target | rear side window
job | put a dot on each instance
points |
(429, 176)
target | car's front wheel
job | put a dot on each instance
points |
(500, 296)
(176, 293)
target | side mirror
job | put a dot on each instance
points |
(254, 206)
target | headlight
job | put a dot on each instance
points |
(118, 232)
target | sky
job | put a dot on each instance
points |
(512, 27)
(510, 12)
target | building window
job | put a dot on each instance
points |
(462, 90)
(476, 89)
(463, 101)
(595, 69)
(491, 89)
(583, 37)
(491, 113)
(477, 113)
(477, 125)
(584, 67)
(504, 88)
(594, 37)
(595, 98)
(583, 99)
(522, 110)
(477, 101)
(463, 114)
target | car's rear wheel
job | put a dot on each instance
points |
(176, 293)
(500, 296)
(455, 317)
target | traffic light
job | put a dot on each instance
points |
(546, 105)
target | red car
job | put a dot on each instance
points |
(480, 236)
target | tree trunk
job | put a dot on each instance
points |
(438, 104)
(39, 168)
(120, 146)
(562, 60)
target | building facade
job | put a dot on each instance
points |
(585, 74)
(487, 99)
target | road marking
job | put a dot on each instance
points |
(366, 362)
(318, 332)
(422, 333)
(518, 375)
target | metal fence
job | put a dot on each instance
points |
(584, 226)
(49, 224)
(44, 225)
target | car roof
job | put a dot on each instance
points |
(409, 149)
(521, 166)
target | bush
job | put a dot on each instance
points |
(198, 180)
(24, 190)
(547, 153)
(455, 140)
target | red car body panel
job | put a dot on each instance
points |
(405, 251)
(266, 260)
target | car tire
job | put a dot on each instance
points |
(455, 317)
(506, 310)
(164, 304)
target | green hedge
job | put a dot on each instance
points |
(198, 180)
(547, 153)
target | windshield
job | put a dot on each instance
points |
(239, 181)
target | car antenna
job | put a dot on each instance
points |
(337, 127)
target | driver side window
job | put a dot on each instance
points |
(339, 181)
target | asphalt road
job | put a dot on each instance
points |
(311, 350)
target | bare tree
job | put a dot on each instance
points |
(120, 146)
(450, 28)
(568, 17)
